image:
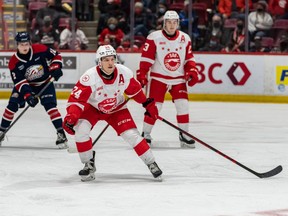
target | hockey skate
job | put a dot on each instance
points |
(61, 141)
(185, 142)
(155, 170)
(147, 137)
(88, 172)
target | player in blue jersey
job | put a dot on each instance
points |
(32, 67)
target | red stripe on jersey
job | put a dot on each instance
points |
(183, 118)
(12, 62)
(20, 84)
(8, 114)
(38, 48)
(141, 147)
(54, 114)
(84, 146)
(57, 59)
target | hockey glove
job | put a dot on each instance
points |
(56, 72)
(192, 76)
(31, 100)
(69, 122)
(142, 78)
(151, 108)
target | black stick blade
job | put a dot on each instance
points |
(270, 173)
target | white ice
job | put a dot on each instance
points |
(37, 179)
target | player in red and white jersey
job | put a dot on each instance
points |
(167, 57)
(99, 95)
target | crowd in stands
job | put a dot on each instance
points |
(217, 25)
(52, 24)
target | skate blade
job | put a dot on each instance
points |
(62, 146)
(185, 145)
(72, 150)
(159, 178)
(90, 177)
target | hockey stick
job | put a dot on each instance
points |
(74, 150)
(26, 108)
(270, 173)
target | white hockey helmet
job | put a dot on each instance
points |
(103, 51)
(171, 14)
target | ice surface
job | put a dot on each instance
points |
(37, 179)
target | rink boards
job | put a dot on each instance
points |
(223, 77)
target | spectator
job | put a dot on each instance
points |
(83, 9)
(143, 20)
(257, 45)
(126, 46)
(152, 5)
(47, 35)
(213, 39)
(54, 10)
(237, 38)
(259, 21)
(112, 34)
(278, 9)
(283, 45)
(107, 9)
(240, 7)
(184, 23)
(232, 8)
(66, 38)
(161, 9)
(225, 8)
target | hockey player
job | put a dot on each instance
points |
(30, 72)
(99, 95)
(167, 55)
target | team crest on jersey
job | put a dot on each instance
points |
(34, 72)
(86, 78)
(172, 61)
(107, 105)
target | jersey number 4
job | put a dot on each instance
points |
(76, 92)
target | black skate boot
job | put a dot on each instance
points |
(147, 137)
(155, 170)
(186, 143)
(88, 172)
(61, 141)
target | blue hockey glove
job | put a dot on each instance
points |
(56, 71)
(31, 100)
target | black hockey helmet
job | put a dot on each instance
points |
(22, 37)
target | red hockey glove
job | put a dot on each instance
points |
(56, 72)
(192, 76)
(31, 100)
(141, 77)
(69, 122)
(151, 108)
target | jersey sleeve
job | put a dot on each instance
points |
(50, 54)
(189, 57)
(79, 97)
(135, 91)
(18, 78)
(148, 55)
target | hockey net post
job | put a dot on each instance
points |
(270, 173)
